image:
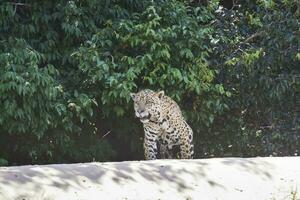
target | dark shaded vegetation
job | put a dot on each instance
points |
(67, 68)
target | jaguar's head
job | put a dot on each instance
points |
(147, 105)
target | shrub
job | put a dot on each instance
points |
(67, 68)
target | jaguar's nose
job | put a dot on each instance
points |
(141, 111)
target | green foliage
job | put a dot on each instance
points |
(142, 52)
(67, 68)
(27, 91)
(3, 162)
(262, 74)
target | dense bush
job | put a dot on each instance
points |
(257, 63)
(67, 68)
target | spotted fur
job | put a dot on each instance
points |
(164, 125)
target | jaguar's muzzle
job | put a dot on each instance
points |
(145, 118)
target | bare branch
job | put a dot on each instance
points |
(108, 132)
(255, 35)
(20, 4)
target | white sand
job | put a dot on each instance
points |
(211, 179)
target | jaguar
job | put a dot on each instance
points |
(164, 125)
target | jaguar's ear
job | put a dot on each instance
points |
(160, 94)
(132, 95)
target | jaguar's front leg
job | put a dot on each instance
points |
(150, 145)
(164, 151)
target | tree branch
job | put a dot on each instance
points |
(255, 35)
(108, 132)
(20, 4)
